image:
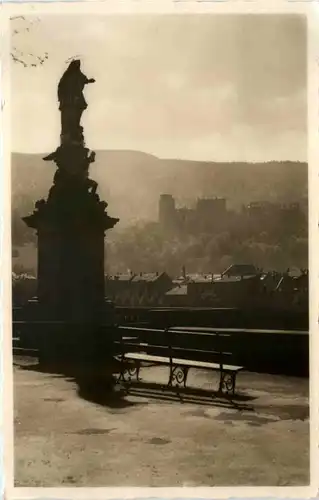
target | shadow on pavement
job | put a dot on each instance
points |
(106, 392)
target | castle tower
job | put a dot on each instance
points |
(167, 211)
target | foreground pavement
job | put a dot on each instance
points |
(153, 438)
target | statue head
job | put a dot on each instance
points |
(74, 65)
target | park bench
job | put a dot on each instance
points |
(179, 348)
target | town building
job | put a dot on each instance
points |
(241, 270)
(143, 289)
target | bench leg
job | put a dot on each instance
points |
(170, 379)
(227, 383)
(135, 370)
(186, 370)
(128, 372)
(234, 382)
(178, 374)
(121, 377)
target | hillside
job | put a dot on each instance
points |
(132, 181)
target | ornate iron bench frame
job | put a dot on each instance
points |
(132, 363)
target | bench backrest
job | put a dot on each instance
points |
(200, 345)
(183, 343)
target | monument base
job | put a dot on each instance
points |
(71, 227)
(74, 333)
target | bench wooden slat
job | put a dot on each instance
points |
(201, 351)
(210, 330)
(147, 357)
(140, 346)
(205, 364)
(179, 361)
(151, 347)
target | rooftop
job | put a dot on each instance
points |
(241, 270)
(149, 277)
(234, 279)
(178, 290)
(120, 277)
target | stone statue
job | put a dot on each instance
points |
(72, 102)
(73, 197)
(72, 157)
(73, 163)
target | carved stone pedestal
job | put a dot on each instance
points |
(71, 226)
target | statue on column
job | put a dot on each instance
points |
(72, 157)
(73, 195)
(72, 102)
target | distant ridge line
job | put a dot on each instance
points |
(155, 157)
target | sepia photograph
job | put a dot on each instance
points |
(160, 257)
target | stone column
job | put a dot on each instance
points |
(71, 260)
(71, 225)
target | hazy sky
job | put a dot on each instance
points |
(224, 88)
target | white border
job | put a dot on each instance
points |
(311, 9)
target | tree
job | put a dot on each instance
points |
(21, 24)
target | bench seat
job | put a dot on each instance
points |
(181, 362)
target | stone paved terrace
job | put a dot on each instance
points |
(151, 438)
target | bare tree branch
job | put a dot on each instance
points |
(19, 56)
